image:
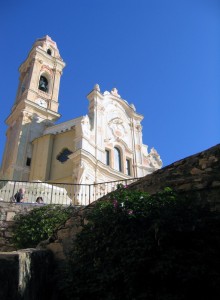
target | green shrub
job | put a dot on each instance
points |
(37, 225)
(137, 246)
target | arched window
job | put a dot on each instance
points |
(43, 84)
(49, 51)
(117, 159)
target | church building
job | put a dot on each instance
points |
(104, 145)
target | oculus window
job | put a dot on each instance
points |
(63, 155)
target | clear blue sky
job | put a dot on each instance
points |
(161, 55)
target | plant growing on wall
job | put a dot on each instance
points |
(37, 225)
(137, 246)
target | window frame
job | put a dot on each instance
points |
(117, 159)
(128, 166)
(107, 157)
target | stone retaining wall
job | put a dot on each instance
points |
(7, 213)
(197, 175)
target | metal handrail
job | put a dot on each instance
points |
(58, 192)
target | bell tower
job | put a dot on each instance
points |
(35, 107)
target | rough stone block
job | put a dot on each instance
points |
(57, 250)
(196, 171)
(8, 234)
(10, 216)
(185, 187)
(63, 234)
(2, 217)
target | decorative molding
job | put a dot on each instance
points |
(138, 147)
(153, 159)
(138, 127)
(100, 108)
(85, 125)
(46, 68)
(117, 128)
(114, 92)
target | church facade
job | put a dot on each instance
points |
(104, 145)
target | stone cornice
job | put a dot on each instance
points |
(36, 53)
(25, 106)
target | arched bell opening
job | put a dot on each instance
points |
(43, 84)
(49, 52)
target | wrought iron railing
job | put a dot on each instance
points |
(59, 193)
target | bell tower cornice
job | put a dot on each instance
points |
(31, 108)
(38, 54)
